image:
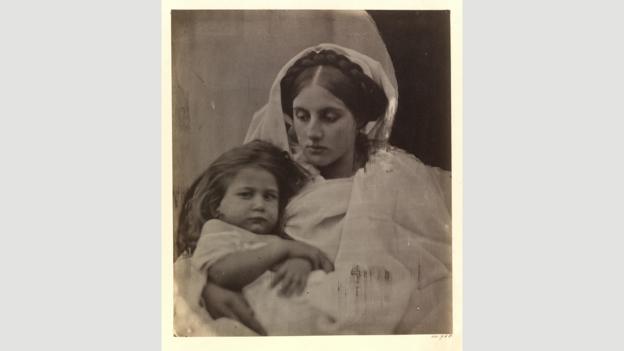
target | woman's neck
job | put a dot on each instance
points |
(341, 168)
(332, 173)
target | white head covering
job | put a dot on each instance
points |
(269, 123)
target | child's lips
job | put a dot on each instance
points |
(258, 220)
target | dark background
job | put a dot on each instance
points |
(419, 45)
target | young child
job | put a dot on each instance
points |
(231, 224)
(238, 203)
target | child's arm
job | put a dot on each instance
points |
(238, 269)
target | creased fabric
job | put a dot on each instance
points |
(392, 261)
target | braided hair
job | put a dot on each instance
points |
(346, 80)
(204, 196)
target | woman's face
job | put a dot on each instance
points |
(326, 131)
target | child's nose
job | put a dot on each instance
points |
(258, 202)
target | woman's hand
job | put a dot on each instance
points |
(220, 302)
(318, 259)
(293, 273)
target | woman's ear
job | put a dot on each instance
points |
(360, 124)
(361, 127)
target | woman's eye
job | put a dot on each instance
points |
(245, 195)
(331, 116)
(302, 116)
(270, 196)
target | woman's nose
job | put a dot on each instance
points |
(315, 130)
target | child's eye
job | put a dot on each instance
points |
(270, 196)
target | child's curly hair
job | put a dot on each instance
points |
(205, 194)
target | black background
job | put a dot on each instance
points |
(419, 45)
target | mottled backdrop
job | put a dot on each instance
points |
(224, 63)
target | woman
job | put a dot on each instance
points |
(379, 213)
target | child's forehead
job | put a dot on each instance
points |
(254, 176)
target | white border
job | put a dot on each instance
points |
(417, 342)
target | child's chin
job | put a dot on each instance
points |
(258, 229)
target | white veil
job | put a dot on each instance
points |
(270, 123)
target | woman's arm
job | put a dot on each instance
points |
(236, 270)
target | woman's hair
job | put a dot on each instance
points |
(346, 80)
(205, 194)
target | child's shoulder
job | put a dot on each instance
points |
(217, 226)
(217, 232)
(220, 228)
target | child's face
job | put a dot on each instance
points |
(251, 201)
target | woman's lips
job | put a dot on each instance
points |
(315, 149)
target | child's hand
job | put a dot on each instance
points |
(293, 273)
(316, 257)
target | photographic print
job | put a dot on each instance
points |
(311, 173)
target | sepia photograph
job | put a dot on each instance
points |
(311, 172)
(275, 175)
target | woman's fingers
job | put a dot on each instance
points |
(244, 317)
(315, 258)
(296, 287)
(220, 302)
(227, 312)
(319, 259)
(214, 297)
(301, 285)
(293, 287)
(215, 312)
(279, 276)
(243, 313)
(286, 286)
(326, 264)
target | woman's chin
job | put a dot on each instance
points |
(319, 161)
